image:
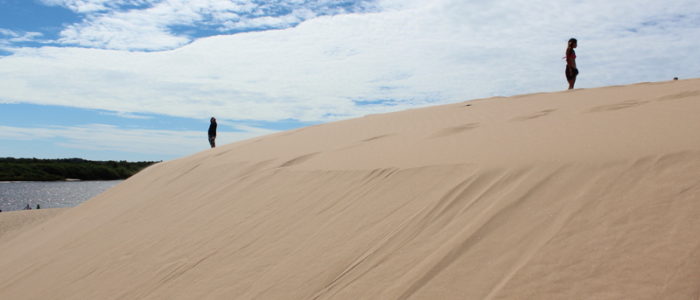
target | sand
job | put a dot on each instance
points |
(583, 194)
(14, 222)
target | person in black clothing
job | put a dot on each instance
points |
(571, 69)
(212, 132)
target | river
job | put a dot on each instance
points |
(16, 195)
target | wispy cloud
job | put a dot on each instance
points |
(88, 6)
(10, 37)
(125, 115)
(160, 25)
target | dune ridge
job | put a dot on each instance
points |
(584, 194)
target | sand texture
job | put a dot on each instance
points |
(584, 194)
(15, 222)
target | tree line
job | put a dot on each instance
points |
(33, 169)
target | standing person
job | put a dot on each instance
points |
(212, 132)
(571, 69)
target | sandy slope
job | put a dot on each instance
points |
(585, 194)
(14, 222)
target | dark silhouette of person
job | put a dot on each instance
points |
(38, 206)
(28, 207)
(212, 132)
(571, 69)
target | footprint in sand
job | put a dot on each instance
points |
(617, 106)
(378, 137)
(536, 115)
(297, 160)
(680, 96)
(455, 130)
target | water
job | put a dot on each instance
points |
(16, 195)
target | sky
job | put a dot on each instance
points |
(139, 79)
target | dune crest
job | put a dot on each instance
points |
(584, 194)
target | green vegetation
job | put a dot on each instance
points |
(32, 169)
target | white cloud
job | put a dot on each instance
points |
(148, 24)
(88, 6)
(165, 143)
(413, 52)
(10, 36)
(125, 115)
(7, 32)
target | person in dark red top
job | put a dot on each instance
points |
(212, 132)
(571, 69)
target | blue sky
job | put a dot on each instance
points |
(139, 79)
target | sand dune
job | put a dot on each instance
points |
(584, 194)
(14, 222)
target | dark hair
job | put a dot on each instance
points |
(572, 40)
